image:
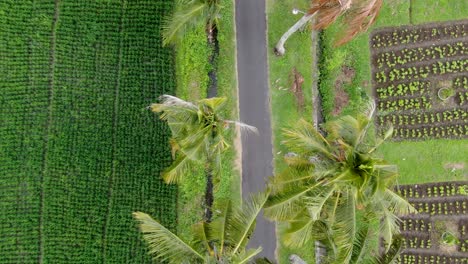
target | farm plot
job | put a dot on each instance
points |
(420, 80)
(438, 234)
(79, 151)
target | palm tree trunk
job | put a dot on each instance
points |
(213, 45)
(320, 252)
(209, 193)
(279, 48)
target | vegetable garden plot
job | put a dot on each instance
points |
(438, 233)
(79, 152)
(420, 79)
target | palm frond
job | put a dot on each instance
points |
(213, 103)
(193, 13)
(170, 100)
(200, 235)
(398, 204)
(300, 232)
(196, 145)
(360, 253)
(217, 229)
(346, 128)
(243, 127)
(317, 200)
(391, 256)
(178, 169)
(163, 244)
(359, 18)
(286, 204)
(242, 223)
(290, 178)
(305, 140)
(388, 227)
(345, 230)
(246, 256)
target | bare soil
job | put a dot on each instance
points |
(341, 97)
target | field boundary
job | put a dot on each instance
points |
(52, 60)
(114, 134)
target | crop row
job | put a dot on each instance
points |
(461, 98)
(403, 89)
(423, 225)
(412, 35)
(460, 82)
(421, 71)
(425, 118)
(439, 189)
(463, 246)
(430, 258)
(395, 104)
(391, 59)
(416, 243)
(463, 228)
(442, 131)
(456, 206)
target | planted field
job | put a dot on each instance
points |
(438, 234)
(78, 151)
(420, 79)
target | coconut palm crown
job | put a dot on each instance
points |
(198, 134)
(335, 189)
(223, 240)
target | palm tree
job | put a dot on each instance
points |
(223, 240)
(191, 14)
(198, 136)
(336, 190)
(359, 15)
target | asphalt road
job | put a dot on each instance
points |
(257, 156)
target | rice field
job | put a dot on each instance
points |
(78, 149)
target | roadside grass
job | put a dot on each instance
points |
(284, 111)
(192, 79)
(428, 161)
(441, 10)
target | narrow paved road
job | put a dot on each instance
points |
(257, 156)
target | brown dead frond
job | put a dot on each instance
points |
(359, 18)
(359, 15)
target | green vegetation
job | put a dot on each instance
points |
(79, 152)
(284, 105)
(431, 160)
(423, 11)
(192, 69)
(336, 190)
(223, 240)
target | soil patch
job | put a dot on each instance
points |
(341, 97)
(296, 88)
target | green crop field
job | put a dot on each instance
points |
(79, 151)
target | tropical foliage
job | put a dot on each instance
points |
(357, 16)
(198, 133)
(190, 14)
(223, 240)
(198, 136)
(336, 190)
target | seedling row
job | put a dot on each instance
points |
(420, 80)
(391, 37)
(442, 214)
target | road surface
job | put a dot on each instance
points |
(257, 156)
